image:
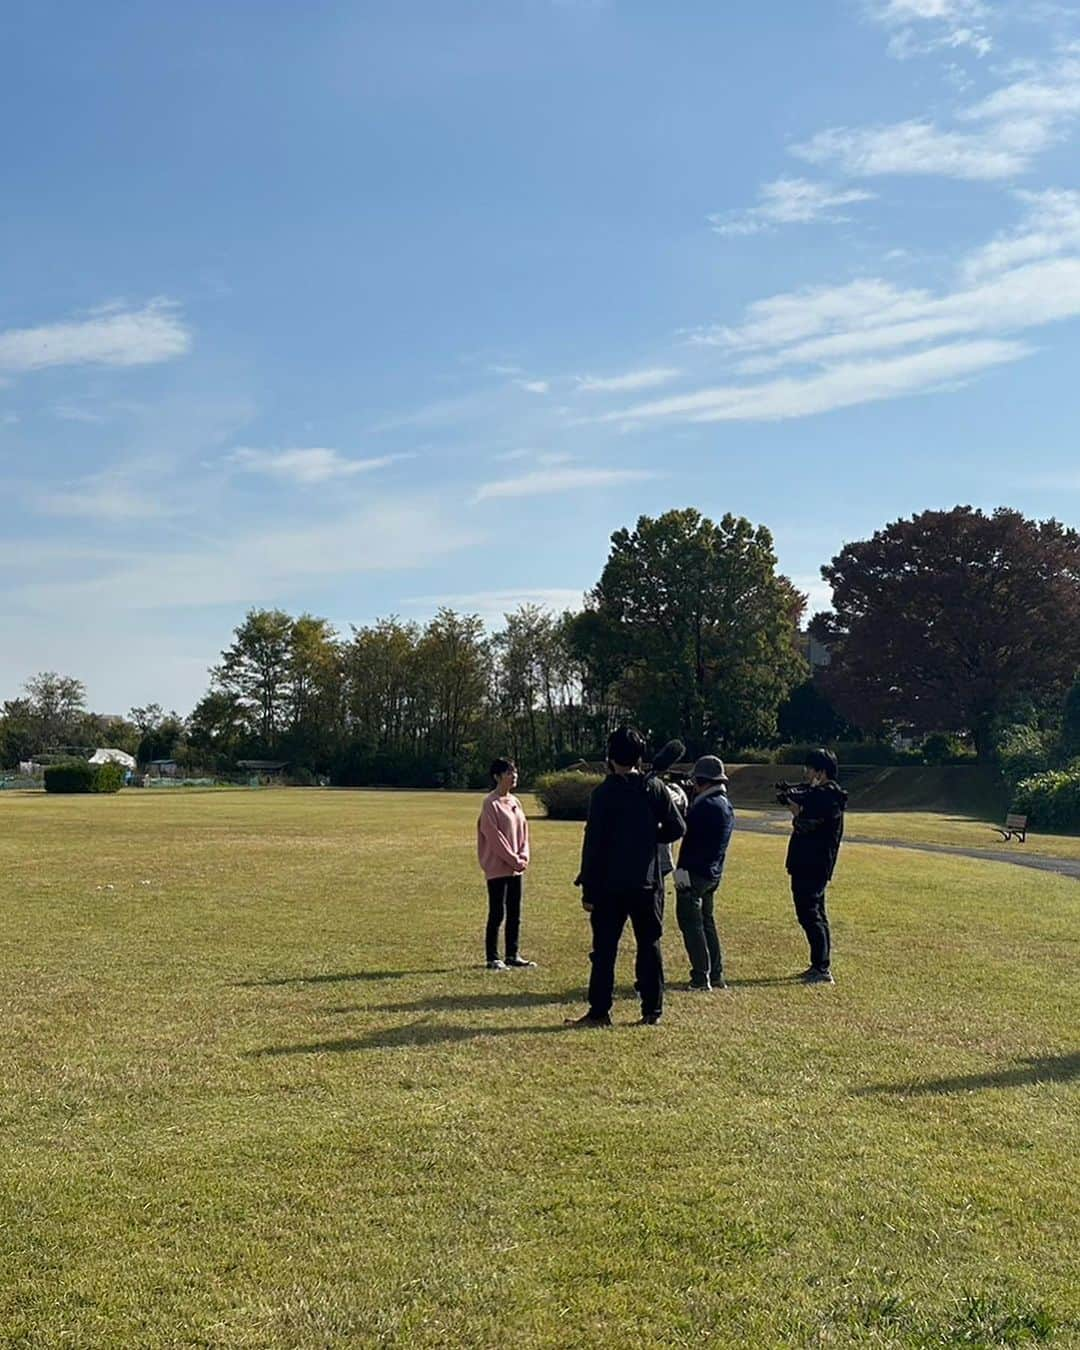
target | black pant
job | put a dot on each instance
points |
(504, 900)
(645, 910)
(808, 892)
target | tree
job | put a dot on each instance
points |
(692, 629)
(941, 622)
(1070, 722)
(57, 703)
(255, 671)
(807, 715)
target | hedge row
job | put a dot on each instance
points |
(1051, 800)
(80, 776)
(565, 796)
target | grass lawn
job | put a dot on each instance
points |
(258, 1091)
(933, 827)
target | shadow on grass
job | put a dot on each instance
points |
(523, 998)
(766, 979)
(356, 976)
(419, 1033)
(1048, 1069)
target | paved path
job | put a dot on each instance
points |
(1066, 867)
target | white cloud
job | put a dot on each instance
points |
(1050, 227)
(628, 382)
(560, 480)
(115, 337)
(921, 26)
(10, 419)
(999, 138)
(833, 323)
(919, 147)
(842, 386)
(316, 464)
(534, 386)
(789, 201)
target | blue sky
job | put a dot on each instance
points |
(360, 308)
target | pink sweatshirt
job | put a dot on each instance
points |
(502, 837)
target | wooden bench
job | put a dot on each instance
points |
(1015, 827)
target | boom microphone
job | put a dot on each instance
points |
(666, 756)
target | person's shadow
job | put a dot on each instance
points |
(524, 998)
(418, 1033)
(1044, 1069)
(354, 976)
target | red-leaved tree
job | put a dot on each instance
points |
(942, 621)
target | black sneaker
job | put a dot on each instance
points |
(818, 977)
(519, 963)
(648, 1020)
(496, 965)
(693, 988)
(721, 983)
(582, 1023)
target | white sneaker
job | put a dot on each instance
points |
(496, 965)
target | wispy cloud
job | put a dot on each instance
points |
(790, 201)
(999, 136)
(71, 412)
(316, 464)
(921, 26)
(539, 483)
(114, 337)
(108, 498)
(628, 382)
(842, 386)
(254, 565)
(1051, 226)
(534, 386)
(493, 605)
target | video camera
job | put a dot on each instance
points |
(790, 792)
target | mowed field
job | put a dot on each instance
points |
(259, 1091)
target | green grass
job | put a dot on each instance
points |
(260, 1093)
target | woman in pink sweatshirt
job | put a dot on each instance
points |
(502, 846)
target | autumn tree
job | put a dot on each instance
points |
(944, 621)
(693, 629)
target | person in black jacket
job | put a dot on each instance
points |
(817, 808)
(709, 824)
(630, 817)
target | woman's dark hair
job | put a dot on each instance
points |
(499, 767)
(824, 761)
(625, 747)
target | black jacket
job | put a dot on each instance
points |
(817, 830)
(709, 824)
(630, 816)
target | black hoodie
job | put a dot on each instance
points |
(817, 830)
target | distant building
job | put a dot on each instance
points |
(815, 652)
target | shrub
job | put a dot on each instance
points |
(752, 755)
(109, 778)
(943, 749)
(565, 796)
(1051, 800)
(77, 775)
(1023, 752)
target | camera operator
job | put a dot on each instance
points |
(630, 817)
(817, 809)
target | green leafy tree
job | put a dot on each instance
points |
(256, 673)
(692, 629)
(947, 619)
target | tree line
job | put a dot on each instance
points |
(958, 622)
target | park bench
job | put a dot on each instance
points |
(1015, 827)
